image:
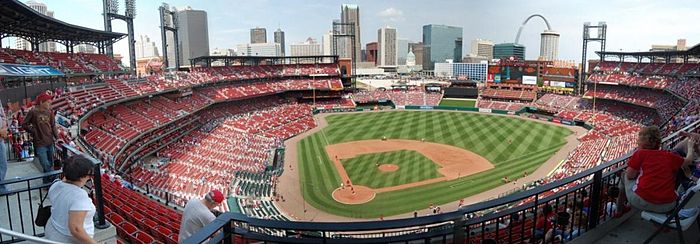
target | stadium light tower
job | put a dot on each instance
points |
(169, 22)
(346, 31)
(110, 12)
(602, 29)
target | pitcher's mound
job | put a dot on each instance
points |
(355, 195)
(388, 167)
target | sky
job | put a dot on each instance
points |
(633, 25)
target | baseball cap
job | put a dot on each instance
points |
(44, 96)
(216, 196)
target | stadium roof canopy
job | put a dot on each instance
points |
(685, 54)
(17, 19)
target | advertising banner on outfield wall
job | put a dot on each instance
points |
(485, 110)
(426, 107)
(529, 80)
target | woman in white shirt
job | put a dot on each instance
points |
(71, 207)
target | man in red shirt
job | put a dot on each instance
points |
(650, 179)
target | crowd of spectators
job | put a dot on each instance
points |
(81, 63)
(664, 103)
(399, 97)
(236, 138)
(654, 82)
(500, 105)
(647, 68)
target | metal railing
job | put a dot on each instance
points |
(20, 204)
(509, 219)
(26, 237)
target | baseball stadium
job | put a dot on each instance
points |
(305, 149)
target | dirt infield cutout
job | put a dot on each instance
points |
(454, 162)
(388, 167)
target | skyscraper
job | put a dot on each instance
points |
(482, 48)
(371, 51)
(401, 51)
(45, 46)
(308, 48)
(549, 45)
(386, 53)
(279, 39)
(505, 50)
(327, 42)
(145, 47)
(193, 34)
(350, 13)
(258, 49)
(441, 42)
(258, 35)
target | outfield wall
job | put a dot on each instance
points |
(481, 110)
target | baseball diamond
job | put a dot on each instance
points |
(512, 146)
(412, 167)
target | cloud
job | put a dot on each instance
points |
(391, 14)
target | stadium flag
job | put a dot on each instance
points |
(28, 70)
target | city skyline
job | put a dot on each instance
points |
(662, 23)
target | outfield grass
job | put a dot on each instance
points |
(458, 103)
(487, 135)
(413, 167)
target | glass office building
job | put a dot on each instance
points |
(441, 42)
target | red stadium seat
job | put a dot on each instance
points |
(126, 229)
(173, 238)
(163, 233)
(141, 237)
(114, 218)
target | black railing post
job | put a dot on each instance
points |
(97, 179)
(228, 233)
(595, 199)
(458, 228)
(64, 152)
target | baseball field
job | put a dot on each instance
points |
(458, 103)
(366, 165)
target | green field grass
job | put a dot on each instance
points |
(458, 103)
(413, 167)
(487, 135)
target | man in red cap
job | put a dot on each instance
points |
(198, 213)
(40, 123)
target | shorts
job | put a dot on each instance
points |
(638, 202)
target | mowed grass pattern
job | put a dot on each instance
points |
(458, 103)
(487, 135)
(413, 167)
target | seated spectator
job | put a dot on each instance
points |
(544, 221)
(649, 182)
(689, 174)
(611, 204)
(198, 213)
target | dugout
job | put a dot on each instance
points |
(462, 89)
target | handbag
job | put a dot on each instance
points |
(44, 213)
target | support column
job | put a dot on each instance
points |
(132, 43)
(108, 25)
